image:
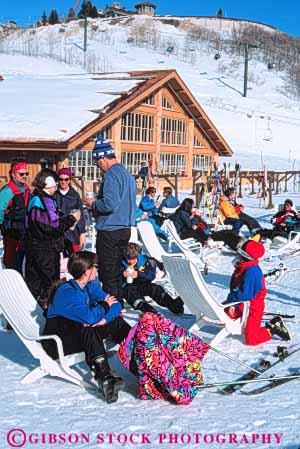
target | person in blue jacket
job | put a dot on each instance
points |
(114, 211)
(83, 315)
(139, 272)
(148, 204)
(143, 216)
(169, 200)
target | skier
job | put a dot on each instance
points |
(248, 284)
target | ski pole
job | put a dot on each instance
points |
(233, 359)
(282, 315)
(262, 379)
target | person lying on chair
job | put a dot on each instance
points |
(234, 214)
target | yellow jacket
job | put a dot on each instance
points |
(226, 209)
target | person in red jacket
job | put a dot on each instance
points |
(248, 284)
(14, 198)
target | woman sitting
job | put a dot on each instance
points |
(186, 223)
(83, 315)
(148, 203)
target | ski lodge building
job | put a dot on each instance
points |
(146, 115)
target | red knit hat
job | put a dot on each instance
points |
(252, 250)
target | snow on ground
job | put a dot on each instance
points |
(54, 406)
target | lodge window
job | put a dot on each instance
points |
(172, 163)
(132, 161)
(81, 163)
(106, 133)
(173, 131)
(166, 104)
(137, 127)
(197, 142)
(150, 100)
(201, 162)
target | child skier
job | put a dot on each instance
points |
(139, 272)
(248, 284)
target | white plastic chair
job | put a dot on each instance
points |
(191, 249)
(25, 316)
(281, 247)
(220, 223)
(151, 242)
(191, 287)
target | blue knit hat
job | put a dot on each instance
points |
(103, 149)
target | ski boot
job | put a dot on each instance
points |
(142, 305)
(108, 384)
(176, 305)
(277, 327)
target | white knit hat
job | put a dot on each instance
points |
(50, 182)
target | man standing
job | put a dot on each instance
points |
(114, 211)
(14, 198)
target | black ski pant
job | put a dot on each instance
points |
(250, 222)
(138, 290)
(111, 247)
(196, 234)
(229, 237)
(77, 338)
(42, 269)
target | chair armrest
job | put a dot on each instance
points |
(233, 303)
(58, 342)
(181, 255)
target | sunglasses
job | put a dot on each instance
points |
(64, 179)
(95, 265)
(26, 173)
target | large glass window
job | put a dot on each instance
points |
(137, 127)
(132, 161)
(197, 142)
(166, 104)
(201, 162)
(150, 100)
(173, 131)
(81, 163)
(172, 163)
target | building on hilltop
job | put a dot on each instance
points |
(147, 8)
(146, 115)
(115, 10)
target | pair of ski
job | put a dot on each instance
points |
(254, 375)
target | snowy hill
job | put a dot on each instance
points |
(266, 124)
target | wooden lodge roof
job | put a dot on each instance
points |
(146, 83)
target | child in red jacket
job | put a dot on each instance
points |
(248, 284)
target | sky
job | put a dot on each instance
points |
(267, 11)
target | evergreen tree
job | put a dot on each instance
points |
(44, 18)
(220, 13)
(53, 18)
(71, 13)
(87, 10)
(94, 12)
